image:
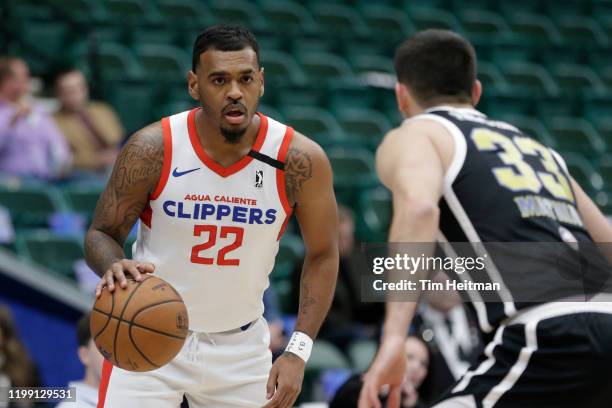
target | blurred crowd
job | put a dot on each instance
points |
(79, 139)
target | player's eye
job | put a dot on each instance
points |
(218, 81)
(247, 79)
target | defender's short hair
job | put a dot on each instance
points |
(223, 37)
(437, 65)
(83, 333)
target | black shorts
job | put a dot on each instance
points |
(549, 360)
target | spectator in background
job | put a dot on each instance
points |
(452, 336)
(417, 369)
(31, 145)
(348, 318)
(16, 367)
(92, 129)
(87, 388)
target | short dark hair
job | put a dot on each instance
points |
(437, 65)
(83, 333)
(223, 37)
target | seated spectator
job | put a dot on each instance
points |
(451, 334)
(92, 129)
(31, 145)
(16, 367)
(417, 368)
(87, 388)
(348, 318)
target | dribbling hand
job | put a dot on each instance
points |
(117, 272)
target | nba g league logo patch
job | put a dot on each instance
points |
(259, 178)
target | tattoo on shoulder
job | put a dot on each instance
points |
(298, 169)
(136, 172)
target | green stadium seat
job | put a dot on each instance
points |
(29, 10)
(353, 169)
(153, 35)
(491, 77)
(338, 19)
(582, 171)
(55, 253)
(174, 106)
(324, 356)
(191, 13)
(366, 63)
(386, 22)
(497, 103)
(597, 108)
(81, 11)
(316, 123)
(350, 94)
(320, 67)
(533, 29)
(290, 253)
(163, 61)
(480, 24)
(130, 10)
(603, 124)
(30, 205)
(531, 127)
(605, 170)
(425, 17)
(114, 61)
(361, 353)
(375, 209)
(529, 78)
(135, 101)
(576, 79)
(293, 95)
(288, 16)
(82, 198)
(128, 247)
(582, 31)
(280, 68)
(576, 134)
(47, 37)
(365, 126)
(306, 44)
(237, 11)
(606, 75)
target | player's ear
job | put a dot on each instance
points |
(83, 355)
(261, 77)
(401, 96)
(192, 85)
(476, 92)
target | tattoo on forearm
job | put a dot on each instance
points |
(298, 169)
(134, 176)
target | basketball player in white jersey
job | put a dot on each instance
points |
(214, 188)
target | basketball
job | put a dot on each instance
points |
(142, 327)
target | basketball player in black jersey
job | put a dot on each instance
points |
(452, 170)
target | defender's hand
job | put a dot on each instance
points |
(117, 272)
(388, 368)
(285, 381)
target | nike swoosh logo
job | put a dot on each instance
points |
(177, 173)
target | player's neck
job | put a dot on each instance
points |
(217, 147)
(90, 379)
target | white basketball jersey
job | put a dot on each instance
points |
(212, 231)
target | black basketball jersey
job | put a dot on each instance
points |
(513, 194)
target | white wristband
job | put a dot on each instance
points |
(300, 344)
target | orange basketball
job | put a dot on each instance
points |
(141, 327)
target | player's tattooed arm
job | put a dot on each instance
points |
(298, 170)
(134, 177)
(309, 186)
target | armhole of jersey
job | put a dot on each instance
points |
(559, 160)
(280, 174)
(165, 173)
(459, 151)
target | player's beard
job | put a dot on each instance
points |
(233, 136)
